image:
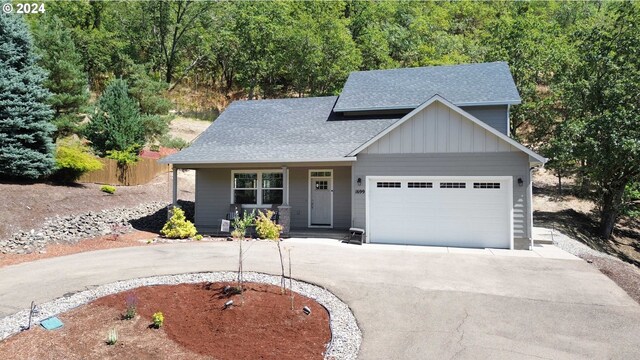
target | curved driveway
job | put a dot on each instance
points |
(410, 304)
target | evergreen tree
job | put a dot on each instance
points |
(117, 124)
(26, 148)
(67, 80)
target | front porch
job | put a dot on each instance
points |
(337, 234)
(310, 200)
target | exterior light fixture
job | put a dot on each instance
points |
(520, 181)
(359, 181)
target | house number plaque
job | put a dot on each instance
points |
(360, 191)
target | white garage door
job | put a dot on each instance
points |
(456, 211)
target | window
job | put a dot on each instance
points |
(420, 185)
(388, 184)
(322, 185)
(321, 174)
(257, 188)
(486, 185)
(452, 185)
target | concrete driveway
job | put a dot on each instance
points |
(410, 303)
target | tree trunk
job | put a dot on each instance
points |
(611, 202)
(559, 184)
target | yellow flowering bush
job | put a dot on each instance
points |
(178, 227)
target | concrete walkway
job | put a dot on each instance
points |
(410, 303)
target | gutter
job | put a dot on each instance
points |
(279, 161)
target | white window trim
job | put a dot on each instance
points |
(330, 226)
(259, 188)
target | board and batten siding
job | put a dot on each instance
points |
(213, 196)
(496, 116)
(438, 129)
(514, 164)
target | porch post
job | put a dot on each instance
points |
(174, 198)
(284, 210)
(285, 186)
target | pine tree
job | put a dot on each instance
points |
(26, 147)
(67, 80)
(117, 124)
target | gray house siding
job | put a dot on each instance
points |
(515, 164)
(495, 115)
(213, 196)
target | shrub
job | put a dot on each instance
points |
(73, 160)
(198, 237)
(178, 227)
(240, 224)
(112, 337)
(169, 141)
(108, 189)
(158, 320)
(155, 126)
(131, 303)
(125, 157)
(267, 228)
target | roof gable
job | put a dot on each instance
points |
(438, 126)
(407, 88)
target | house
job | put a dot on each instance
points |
(413, 156)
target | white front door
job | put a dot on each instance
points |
(320, 196)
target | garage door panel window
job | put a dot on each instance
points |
(453, 185)
(419, 185)
(384, 184)
(486, 185)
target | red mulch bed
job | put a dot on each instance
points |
(260, 326)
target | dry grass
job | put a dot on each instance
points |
(578, 218)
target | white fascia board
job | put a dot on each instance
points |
(288, 161)
(463, 113)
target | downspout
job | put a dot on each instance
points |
(508, 120)
(530, 204)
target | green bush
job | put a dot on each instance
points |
(178, 227)
(267, 228)
(198, 237)
(155, 126)
(169, 141)
(241, 223)
(125, 157)
(108, 189)
(73, 160)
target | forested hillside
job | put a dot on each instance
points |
(576, 66)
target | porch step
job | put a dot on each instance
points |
(543, 235)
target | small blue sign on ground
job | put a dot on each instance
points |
(51, 323)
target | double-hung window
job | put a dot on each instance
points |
(258, 188)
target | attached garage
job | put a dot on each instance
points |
(440, 211)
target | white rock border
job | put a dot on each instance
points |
(346, 336)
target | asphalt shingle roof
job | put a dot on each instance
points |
(298, 129)
(485, 83)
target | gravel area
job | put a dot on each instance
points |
(625, 275)
(346, 337)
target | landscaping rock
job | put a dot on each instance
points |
(71, 229)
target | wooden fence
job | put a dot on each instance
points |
(135, 174)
